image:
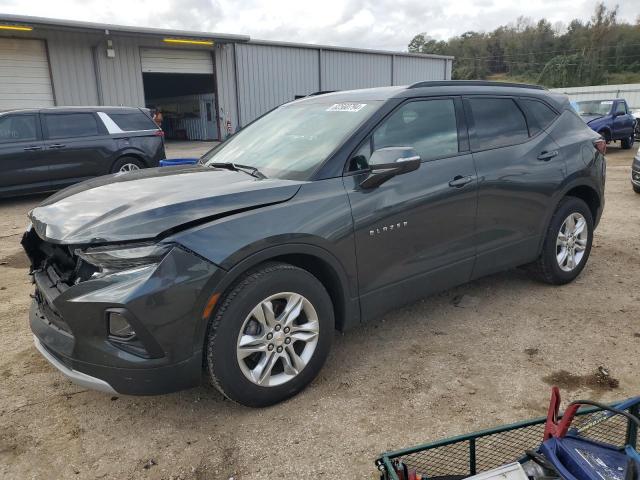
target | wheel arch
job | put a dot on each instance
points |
(131, 154)
(317, 261)
(579, 189)
(589, 195)
(606, 133)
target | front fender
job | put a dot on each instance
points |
(316, 222)
(601, 125)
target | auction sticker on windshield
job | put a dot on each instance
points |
(346, 107)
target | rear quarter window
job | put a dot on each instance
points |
(498, 122)
(131, 121)
(540, 115)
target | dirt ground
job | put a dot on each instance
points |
(475, 356)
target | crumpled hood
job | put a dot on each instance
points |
(143, 204)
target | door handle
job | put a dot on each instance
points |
(31, 149)
(460, 181)
(546, 156)
(57, 145)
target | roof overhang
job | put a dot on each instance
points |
(105, 28)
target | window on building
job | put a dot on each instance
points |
(539, 115)
(18, 128)
(131, 121)
(429, 126)
(498, 122)
(68, 125)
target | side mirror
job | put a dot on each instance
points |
(388, 162)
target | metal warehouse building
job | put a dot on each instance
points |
(205, 84)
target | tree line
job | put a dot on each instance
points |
(599, 51)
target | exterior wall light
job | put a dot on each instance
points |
(182, 41)
(16, 28)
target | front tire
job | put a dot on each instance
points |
(627, 143)
(567, 243)
(270, 335)
(636, 188)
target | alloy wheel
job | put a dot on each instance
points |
(572, 242)
(129, 167)
(277, 339)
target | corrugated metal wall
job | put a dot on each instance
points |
(72, 68)
(630, 92)
(269, 76)
(407, 70)
(120, 77)
(350, 70)
(226, 80)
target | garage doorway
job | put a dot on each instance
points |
(180, 84)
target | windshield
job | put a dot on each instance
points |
(594, 107)
(295, 139)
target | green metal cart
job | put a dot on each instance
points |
(467, 455)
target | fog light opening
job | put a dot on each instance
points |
(119, 327)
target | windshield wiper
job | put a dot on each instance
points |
(238, 167)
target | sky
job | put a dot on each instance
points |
(381, 24)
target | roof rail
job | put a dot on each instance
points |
(472, 83)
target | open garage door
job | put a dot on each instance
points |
(25, 80)
(171, 60)
(180, 84)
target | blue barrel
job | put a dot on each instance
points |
(172, 162)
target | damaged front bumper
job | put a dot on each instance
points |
(163, 303)
(75, 376)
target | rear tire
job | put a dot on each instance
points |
(127, 164)
(627, 143)
(636, 188)
(569, 236)
(270, 335)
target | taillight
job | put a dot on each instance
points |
(159, 133)
(601, 145)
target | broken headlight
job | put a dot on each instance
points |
(111, 259)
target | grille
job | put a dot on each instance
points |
(44, 256)
(49, 313)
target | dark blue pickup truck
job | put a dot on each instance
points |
(610, 118)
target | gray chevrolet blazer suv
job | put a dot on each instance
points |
(322, 214)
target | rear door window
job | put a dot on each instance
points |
(498, 122)
(540, 115)
(131, 121)
(18, 128)
(429, 126)
(69, 125)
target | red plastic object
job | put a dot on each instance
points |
(601, 146)
(556, 427)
